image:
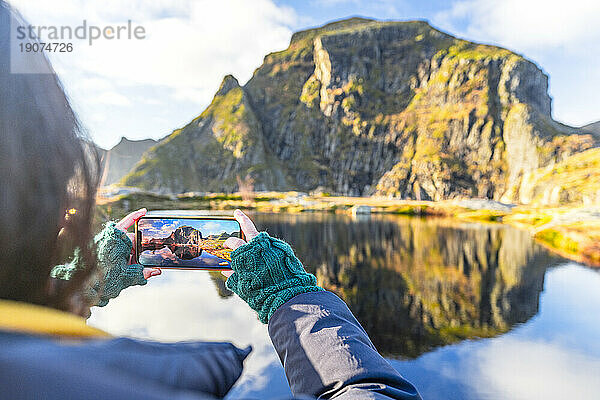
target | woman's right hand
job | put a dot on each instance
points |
(265, 272)
(250, 232)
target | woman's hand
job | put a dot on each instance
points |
(125, 224)
(250, 232)
(265, 271)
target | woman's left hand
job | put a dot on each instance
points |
(125, 224)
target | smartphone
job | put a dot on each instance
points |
(185, 240)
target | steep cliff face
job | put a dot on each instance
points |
(365, 107)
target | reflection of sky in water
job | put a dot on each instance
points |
(555, 355)
(164, 256)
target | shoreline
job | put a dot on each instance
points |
(572, 232)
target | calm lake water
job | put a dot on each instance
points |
(463, 310)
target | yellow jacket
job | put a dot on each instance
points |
(29, 318)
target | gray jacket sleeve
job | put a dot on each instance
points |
(327, 354)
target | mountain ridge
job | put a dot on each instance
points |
(593, 128)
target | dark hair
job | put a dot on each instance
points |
(47, 166)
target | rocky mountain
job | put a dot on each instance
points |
(184, 242)
(120, 159)
(185, 235)
(363, 107)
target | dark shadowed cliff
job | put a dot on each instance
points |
(366, 107)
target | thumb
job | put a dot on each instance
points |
(233, 243)
(150, 272)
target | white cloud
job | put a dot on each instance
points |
(112, 98)
(156, 228)
(529, 23)
(207, 228)
(516, 369)
(189, 46)
(562, 37)
(98, 118)
(95, 84)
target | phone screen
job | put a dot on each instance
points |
(185, 242)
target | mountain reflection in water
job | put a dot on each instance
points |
(416, 284)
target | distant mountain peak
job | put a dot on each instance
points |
(120, 159)
(229, 82)
(125, 141)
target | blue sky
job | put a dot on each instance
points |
(147, 88)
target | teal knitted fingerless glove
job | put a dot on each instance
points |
(113, 248)
(267, 274)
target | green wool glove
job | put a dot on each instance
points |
(113, 248)
(267, 274)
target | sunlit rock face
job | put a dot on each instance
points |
(361, 107)
(417, 284)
